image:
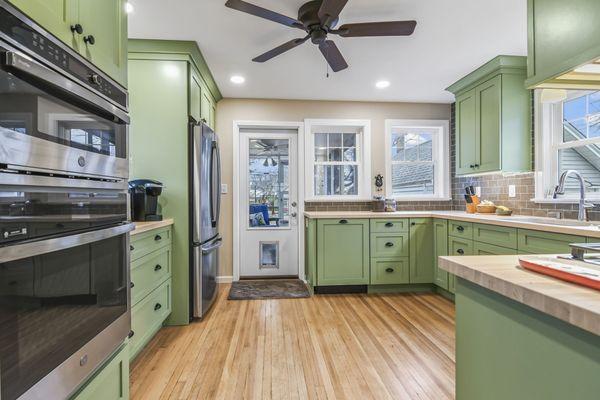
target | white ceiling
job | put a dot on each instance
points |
(452, 38)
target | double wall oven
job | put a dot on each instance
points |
(64, 230)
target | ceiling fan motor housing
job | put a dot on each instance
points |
(308, 14)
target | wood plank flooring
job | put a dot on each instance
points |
(392, 346)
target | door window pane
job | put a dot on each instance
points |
(269, 185)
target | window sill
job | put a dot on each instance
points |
(417, 199)
(563, 201)
(337, 200)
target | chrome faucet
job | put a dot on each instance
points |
(560, 189)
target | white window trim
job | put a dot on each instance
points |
(363, 156)
(441, 152)
(546, 154)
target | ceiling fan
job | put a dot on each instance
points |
(318, 18)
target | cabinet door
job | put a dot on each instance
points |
(111, 382)
(538, 242)
(205, 107)
(421, 250)
(195, 96)
(213, 115)
(465, 133)
(310, 254)
(106, 22)
(488, 101)
(485, 249)
(56, 16)
(342, 252)
(440, 240)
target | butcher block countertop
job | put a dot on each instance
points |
(516, 221)
(141, 227)
(576, 305)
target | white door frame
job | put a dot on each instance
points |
(237, 125)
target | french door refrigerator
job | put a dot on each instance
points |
(205, 196)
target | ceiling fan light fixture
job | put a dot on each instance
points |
(237, 79)
(382, 84)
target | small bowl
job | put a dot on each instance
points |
(483, 209)
(503, 212)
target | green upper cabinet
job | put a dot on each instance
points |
(421, 250)
(195, 95)
(440, 240)
(562, 35)
(493, 118)
(56, 16)
(342, 252)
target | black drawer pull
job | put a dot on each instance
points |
(460, 228)
(131, 248)
(77, 28)
(157, 238)
(130, 335)
(90, 39)
(471, 166)
(132, 285)
(460, 251)
(157, 307)
(389, 270)
(413, 223)
(343, 221)
(476, 165)
(389, 224)
(158, 267)
(389, 244)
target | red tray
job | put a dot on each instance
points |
(566, 270)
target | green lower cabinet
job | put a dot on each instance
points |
(495, 235)
(389, 244)
(390, 271)
(440, 240)
(342, 252)
(310, 255)
(460, 247)
(485, 249)
(538, 242)
(421, 250)
(452, 283)
(111, 382)
(149, 272)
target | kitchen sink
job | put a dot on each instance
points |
(552, 221)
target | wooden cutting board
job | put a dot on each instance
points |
(578, 272)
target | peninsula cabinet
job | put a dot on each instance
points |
(440, 242)
(421, 250)
(493, 118)
(342, 252)
(111, 382)
(95, 29)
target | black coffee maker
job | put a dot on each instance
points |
(144, 199)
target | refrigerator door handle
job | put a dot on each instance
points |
(218, 188)
(215, 183)
(209, 249)
(196, 133)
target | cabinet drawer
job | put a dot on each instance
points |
(389, 245)
(537, 242)
(148, 272)
(495, 235)
(389, 225)
(148, 315)
(460, 229)
(460, 247)
(111, 381)
(389, 271)
(486, 249)
(147, 242)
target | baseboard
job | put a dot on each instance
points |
(225, 279)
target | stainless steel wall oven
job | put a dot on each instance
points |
(64, 230)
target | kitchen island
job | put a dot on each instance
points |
(522, 335)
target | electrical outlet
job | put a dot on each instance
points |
(223, 188)
(512, 191)
(478, 191)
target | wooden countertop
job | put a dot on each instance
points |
(141, 227)
(571, 303)
(534, 223)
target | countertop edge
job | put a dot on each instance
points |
(141, 227)
(542, 301)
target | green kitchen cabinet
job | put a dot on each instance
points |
(452, 283)
(440, 240)
(389, 225)
(493, 118)
(486, 249)
(562, 35)
(342, 252)
(206, 108)
(310, 255)
(111, 381)
(56, 16)
(389, 244)
(390, 271)
(538, 242)
(195, 98)
(421, 250)
(460, 229)
(460, 247)
(495, 235)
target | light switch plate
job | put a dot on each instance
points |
(512, 191)
(223, 188)
(478, 191)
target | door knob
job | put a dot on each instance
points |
(294, 214)
(294, 204)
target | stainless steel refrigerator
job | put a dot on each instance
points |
(205, 195)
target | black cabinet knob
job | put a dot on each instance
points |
(389, 244)
(157, 238)
(157, 267)
(389, 270)
(77, 28)
(389, 224)
(157, 306)
(131, 248)
(131, 333)
(90, 39)
(413, 223)
(343, 221)
(476, 165)
(460, 251)
(131, 285)
(460, 228)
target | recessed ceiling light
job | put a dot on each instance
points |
(382, 84)
(237, 79)
(128, 8)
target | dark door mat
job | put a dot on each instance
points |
(268, 289)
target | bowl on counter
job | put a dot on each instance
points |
(485, 209)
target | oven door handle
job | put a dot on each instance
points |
(36, 248)
(35, 72)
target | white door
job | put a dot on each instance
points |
(268, 204)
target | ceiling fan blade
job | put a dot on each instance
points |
(280, 50)
(391, 28)
(257, 11)
(333, 56)
(330, 10)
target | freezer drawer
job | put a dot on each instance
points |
(206, 264)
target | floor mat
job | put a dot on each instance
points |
(268, 289)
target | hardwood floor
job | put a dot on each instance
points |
(393, 346)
